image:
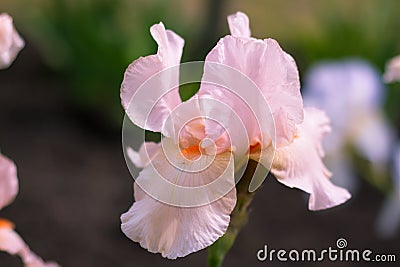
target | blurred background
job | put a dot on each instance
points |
(61, 120)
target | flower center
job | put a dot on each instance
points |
(191, 153)
(205, 147)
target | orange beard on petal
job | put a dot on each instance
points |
(192, 152)
(256, 148)
(6, 224)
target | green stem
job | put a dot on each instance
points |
(239, 218)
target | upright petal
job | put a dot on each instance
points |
(299, 164)
(239, 25)
(173, 230)
(149, 90)
(10, 41)
(272, 70)
(13, 244)
(8, 181)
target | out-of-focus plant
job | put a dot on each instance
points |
(353, 94)
(388, 222)
(363, 143)
(90, 42)
(392, 72)
(365, 29)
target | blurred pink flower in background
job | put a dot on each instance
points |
(175, 231)
(10, 41)
(10, 45)
(392, 72)
(10, 241)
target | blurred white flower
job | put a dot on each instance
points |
(352, 93)
(392, 73)
(10, 41)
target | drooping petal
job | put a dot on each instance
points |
(149, 90)
(13, 244)
(178, 230)
(10, 41)
(147, 151)
(299, 164)
(392, 73)
(239, 25)
(8, 181)
(274, 73)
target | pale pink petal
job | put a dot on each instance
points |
(175, 179)
(299, 164)
(198, 118)
(172, 230)
(181, 118)
(147, 151)
(149, 90)
(8, 181)
(10, 41)
(272, 70)
(239, 25)
(10, 241)
(392, 72)
(13, 244)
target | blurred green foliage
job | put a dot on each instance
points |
(91, 42)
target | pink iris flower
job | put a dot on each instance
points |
(161, 219)
(10, 41)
